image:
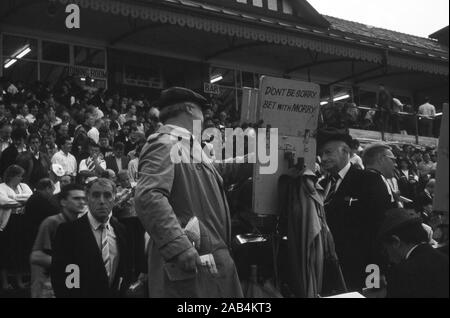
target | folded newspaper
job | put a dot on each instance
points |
(192, 230)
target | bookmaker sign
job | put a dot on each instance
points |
(292, 108)
(87, 72)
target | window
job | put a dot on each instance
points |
(366, 98)
(231, 82)
(223, 76)
(21, 61)
(89, 57)
(325, 93)
(142, 76)
(19, 48)
(258, 3)
(250, 80)
(272, 5)
(21, 70)
(52, 73)
(56, 52)
(342, 94)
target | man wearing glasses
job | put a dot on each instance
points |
(379, 159)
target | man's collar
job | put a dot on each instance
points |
(69, 217)
(22, 149)
(408, 255)
(176, 131)
(95, 224)
(344, 171)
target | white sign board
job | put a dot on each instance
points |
(211, 89)
(293, 108)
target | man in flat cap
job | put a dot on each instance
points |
(179, 188)
(355, 202)
(418, 271)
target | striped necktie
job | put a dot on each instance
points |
(90, 164)
(333, 183)
(105, 249)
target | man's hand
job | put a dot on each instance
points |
(188, 260)
(143, 277)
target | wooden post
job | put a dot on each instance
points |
(441, 192)
(417, 127)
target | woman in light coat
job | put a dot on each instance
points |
(14, 194)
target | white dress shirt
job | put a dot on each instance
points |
(427, 110)
(88, 164)
(119, 164)
(133, 171)
(112, 242)
(342, 174)
(406, 174)
(411, 250)
(68, 162)
(5, 144)
(389, 188)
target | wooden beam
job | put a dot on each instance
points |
(317, 63)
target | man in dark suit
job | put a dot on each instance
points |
(36, 163)
(419, 271)
(408, 181)
(355, 202)
(379, 159)
(424, 201)
(10, 154)
(39, 206)
(97, 245)
(125, 137)
(118, 160)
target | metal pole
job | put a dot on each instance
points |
(417, 127)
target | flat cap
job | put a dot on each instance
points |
(333, 134)
(175, 95)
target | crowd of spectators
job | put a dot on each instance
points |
(413, 184)
(56, 134)
(388, 114)
(65, 133)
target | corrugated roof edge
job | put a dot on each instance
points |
(369, 28)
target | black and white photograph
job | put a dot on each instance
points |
(229, 155)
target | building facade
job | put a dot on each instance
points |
(144, 46)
